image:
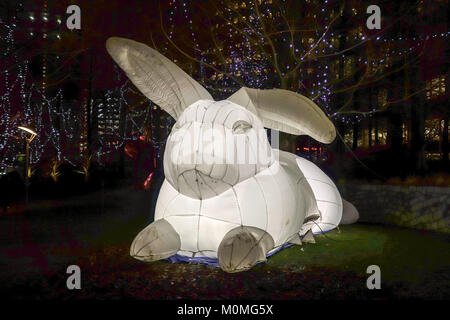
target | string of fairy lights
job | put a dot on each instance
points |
(24, 101)
(245, 61)
(136, 120)
(178, 12)
(57, 124)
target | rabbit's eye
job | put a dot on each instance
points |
(241, 126)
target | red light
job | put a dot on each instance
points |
(147, 181)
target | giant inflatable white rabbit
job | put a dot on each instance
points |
(235, 211)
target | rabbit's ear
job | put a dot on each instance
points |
(287, 111)
(158, 78)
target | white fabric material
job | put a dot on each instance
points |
(349, 213)
(287, 111)
(276, 199)
(203, 149)
(329, 201)
(204, 200)
(158, 78)
(255, 202)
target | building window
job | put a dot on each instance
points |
(382, 136)
(433, 129)
(420, 7)
(335, 42)
(382, 98)
(436, 87)
(348, 66)
(348, 138)
(405, 133)
(335, 68)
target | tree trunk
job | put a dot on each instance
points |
(394, 126)
(340, 145)
(357, 104)
(89, 106)
(355, 135)
(287, 141)
(418, 137)
(339, 99)
(377, 138)
(445, 144)
(122, 128)
(418, 126)
(394, 134)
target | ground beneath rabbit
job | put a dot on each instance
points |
(37, 246)
(111, 274)
(333, 268)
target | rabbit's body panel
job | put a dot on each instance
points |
(323, 192)
(328, 198)
(273, 201)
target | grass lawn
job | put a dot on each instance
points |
(413, 264)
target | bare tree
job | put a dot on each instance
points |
(321, 49)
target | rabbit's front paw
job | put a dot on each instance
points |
(157, 241)
(243, 247)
